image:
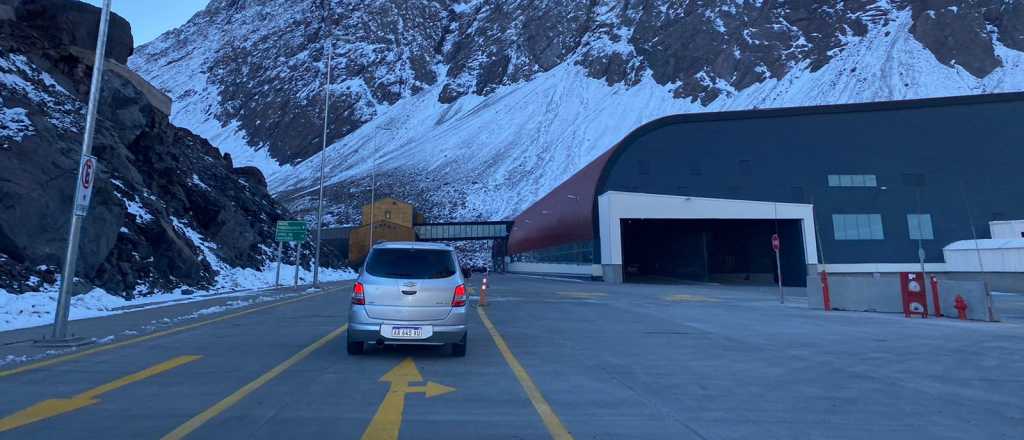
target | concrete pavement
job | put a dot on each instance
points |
(601, 361)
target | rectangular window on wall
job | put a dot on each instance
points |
(920, 226)
(746, 167)
(858, 226)
(853, 180)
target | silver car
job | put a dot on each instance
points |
(409, 293)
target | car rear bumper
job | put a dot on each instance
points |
(442, 334)
(362, 328)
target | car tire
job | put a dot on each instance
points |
(355, 347)
(459, 348)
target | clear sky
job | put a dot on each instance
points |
(150, 18)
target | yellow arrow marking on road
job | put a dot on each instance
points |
(388, 420)
(55, 407)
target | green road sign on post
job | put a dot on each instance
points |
(291, 231)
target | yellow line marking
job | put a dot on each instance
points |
(547, 414)
(55, 407)
(582, 295)
(73, 356)
(689, 298)
(211, 412)
(388, 420)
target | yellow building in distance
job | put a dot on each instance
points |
(392, 220)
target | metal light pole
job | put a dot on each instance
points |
(323, 148)
(60, 322)
(920, 248)
(373, 179)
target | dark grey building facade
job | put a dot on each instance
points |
(882, 178)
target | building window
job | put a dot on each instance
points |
(572, 253)
(920, 226)
(853, 180)
(387, 215)
(858, 226)
(746, 167)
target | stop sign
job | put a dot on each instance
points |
(775, 242)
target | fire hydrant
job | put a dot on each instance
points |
(961, 307)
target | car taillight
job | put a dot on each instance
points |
(358, 294)
(459, 300)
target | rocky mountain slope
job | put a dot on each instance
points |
(168, 210)
(474, 108)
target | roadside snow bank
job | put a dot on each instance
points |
(33, 309)
(37, 308)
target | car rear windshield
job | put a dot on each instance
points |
(411, 263)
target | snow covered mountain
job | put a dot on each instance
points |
(475, 108)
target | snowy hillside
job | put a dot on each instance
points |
(475, 109)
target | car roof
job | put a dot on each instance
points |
(411, 245)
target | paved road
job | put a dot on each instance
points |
(547, 359)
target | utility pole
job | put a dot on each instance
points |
(920, 246)
(373, 179)
(60, 322)
(323, 149)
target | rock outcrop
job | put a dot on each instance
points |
(168, 210)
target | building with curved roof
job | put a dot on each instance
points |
(860, 187)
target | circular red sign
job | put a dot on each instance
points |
(87, 173)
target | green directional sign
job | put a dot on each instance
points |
(291, 230)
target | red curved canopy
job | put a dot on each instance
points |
(565, 215)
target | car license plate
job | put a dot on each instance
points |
(406, 332)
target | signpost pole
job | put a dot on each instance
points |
(778, 268)
(60, 322)
(776, 242)
(298, 262)
(277, 278)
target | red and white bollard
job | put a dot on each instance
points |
(826, 298)
(483, 290)
(935, 297)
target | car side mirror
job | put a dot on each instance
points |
(466, 273)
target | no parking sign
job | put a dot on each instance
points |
(86, 180)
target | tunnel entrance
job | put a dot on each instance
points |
(712, 250)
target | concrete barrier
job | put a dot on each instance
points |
(870, 293)
(860, 293)
(979, 299)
